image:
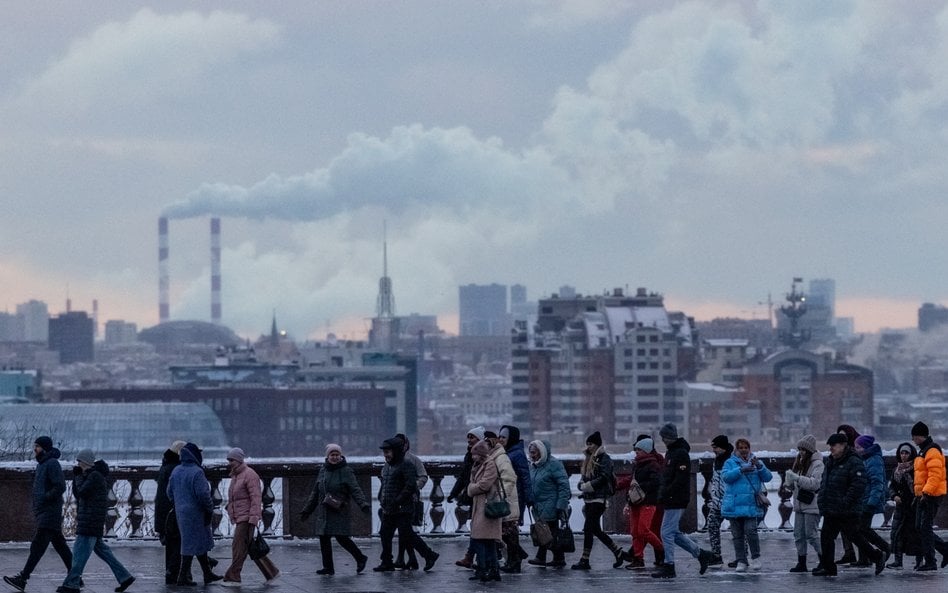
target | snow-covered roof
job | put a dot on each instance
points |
(727, 342)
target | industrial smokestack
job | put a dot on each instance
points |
(164, 281)
(216, 270)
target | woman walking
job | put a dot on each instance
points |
(647, 473)
(550, 498)
(805, 478)
(744, 476)
(336, 487)
(903, 536)
(596, 487)
(485, 531)
(244, 508)
(190, 493)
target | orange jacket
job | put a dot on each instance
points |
(930, 471)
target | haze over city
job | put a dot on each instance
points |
(706, 150)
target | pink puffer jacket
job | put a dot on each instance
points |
(244, 503)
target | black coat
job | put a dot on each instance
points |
(49, 484)
(675, 492)
(91, 490)
(459, 490)
(169, 461)
(844, 485)
(399, 486)
(647, 472)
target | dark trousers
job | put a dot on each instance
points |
(41, 540)
(558, 555)
(925, 510)
(511, 539)
(848, 525)
(325, 548)
(592, 527)
(865, 527)
(172, 557)
(400, 522)
(486, 552)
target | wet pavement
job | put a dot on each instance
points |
(298, 561)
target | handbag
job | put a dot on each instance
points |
(564, 539)
(500, 508)
(540, 532)
(258, 547)
(333, 502)
(760, 496)
(805, 496)
(635, 495)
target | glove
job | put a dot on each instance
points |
(792, 476)
(586, 487)
(562, 515)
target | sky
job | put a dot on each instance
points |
(710, 151)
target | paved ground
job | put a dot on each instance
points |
(299, 560)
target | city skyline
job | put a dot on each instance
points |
(706, 151)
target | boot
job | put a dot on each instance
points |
(620, 558)
(583, 564)
(466, 562)
(209, 576)
(184, 573)
(16, 581)
(492, 575)
(665, 571)
(636, 563)
(801, 565)
(659, 556)
(512, 567)
(897, 563)
(848, 558)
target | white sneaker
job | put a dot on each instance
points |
(226, 583)
(755, 564)
(741, 567)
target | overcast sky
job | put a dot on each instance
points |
(710, 151)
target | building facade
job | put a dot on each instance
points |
(73, 336)
(483, 310)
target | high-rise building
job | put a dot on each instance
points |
(483, 310)
(71, 334)
(34, 317)
(9, 328)
(118, 331)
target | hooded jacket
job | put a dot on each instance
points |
(550, 484)
(91, 489)
(930, 470)
(399, 482)
(508, 479)
(742, 483)
(49, 484)
(169, 461)
(843, 486)
(521, 466)
(190, 493)
(339, 480)
(675, 492)
(873, 500)
(902, 484)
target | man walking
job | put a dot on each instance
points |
(930, 488)
(49, 484)
(675, 494)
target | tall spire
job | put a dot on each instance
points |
(386, 301)
(274, 334)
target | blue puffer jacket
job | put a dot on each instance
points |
(49, 484)
(521, 466)
(550, 484)
(742, 481)
(873, 500)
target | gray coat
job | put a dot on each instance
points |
(190, 493)
(340, 481)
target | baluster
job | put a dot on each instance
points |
(437, 509)
(111, 516)
(462, 513)
(136, 508)
(785, 508)
(216, 514)
(268, 499)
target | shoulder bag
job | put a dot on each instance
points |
(258, 547)
(635, 495)
(540, 532)
(499, 508)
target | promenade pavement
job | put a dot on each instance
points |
(298, 561)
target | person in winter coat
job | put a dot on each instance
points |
(849, 553)
(485, 531)
(744, 475)
(244, 509)
(930, 489)
(338, 480)
(675, 494)
(49, 484)
(396, 499)
(804, 479)
(722, 449)
(509, 437)
(510, 530)
(646, 472)
(459, 492)
(91, 491)
(190, 493)
(550, 497)
(596, 486)
(840, 501)
(418, 514)
(168, 535)
(903, 536)
(873, 501)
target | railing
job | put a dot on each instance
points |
(287, 485)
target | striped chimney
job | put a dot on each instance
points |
(216, 270)
(164, 281)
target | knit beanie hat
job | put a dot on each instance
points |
(86, 456)
(237, 454)
(177, 446)
(595, 438)
(807, 443)
(905, 447)
(669, 431)
(720, 442)
(477, 431)
(920, 429)
(865, 441)
(645, 444)
(45, 442)
(333, 447)
(837, 439)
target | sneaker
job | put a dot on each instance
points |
(715, 560)
(125, 584)
(326, 571)
(583, 564)
(665, 571)
(272, 580)
(741, 567)
(531, 562)
(755, 564)
(226, 583)
(620, 558)
(17, 582)
(430, 560)
(895, 565)
(732, 564)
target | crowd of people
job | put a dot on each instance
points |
(502, 481)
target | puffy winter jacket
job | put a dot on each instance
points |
(811, 480)
(873, 501)
(647, 471)
(521, 466)
(550, 484)
(49, 484)
(676, 477)
(742, 482)
(843, 486)
(91, 489)
(244, 496)
(930, 470)
(399, 485)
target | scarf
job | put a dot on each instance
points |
(590, 465)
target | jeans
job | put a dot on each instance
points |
(592, 527)
(806, 531)
(400, 522)
(41, 540)
(672, 535)
(82, 548)
(640, 516)
(486, 552)
(744, 530)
